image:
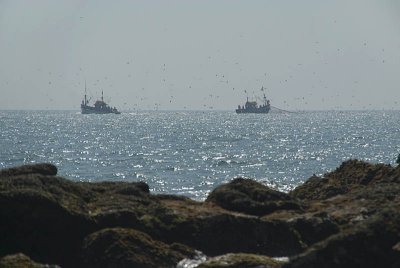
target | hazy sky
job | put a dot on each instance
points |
(309, 55)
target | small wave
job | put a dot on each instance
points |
(138, 166)
(198, 259)
(139, 176)
(222, 163)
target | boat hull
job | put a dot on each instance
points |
(261, 110)
(85, 109)
(251, 107)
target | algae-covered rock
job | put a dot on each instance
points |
(251, 197)
(119, 247)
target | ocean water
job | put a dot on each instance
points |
(190, 153)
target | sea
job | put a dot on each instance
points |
(191, 152)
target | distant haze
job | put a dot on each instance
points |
(200, 55)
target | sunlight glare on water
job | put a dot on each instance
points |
(190, 153)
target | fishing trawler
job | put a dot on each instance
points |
(251, 107)
(100, 107)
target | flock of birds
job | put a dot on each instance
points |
(211, 98)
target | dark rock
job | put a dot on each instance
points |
(133, 188)
(396, 247)
(352, 174)
(369, 244)
(216, 231)
(138, 189)
(47, 217)
(350, 214)
(41, 218)
(118, 247)
(241, 260)
(250, 197)
(20, 260)
(313, 228)
(43, 169)
(223, 233)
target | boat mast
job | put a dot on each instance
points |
(85, 93)
(265, 98)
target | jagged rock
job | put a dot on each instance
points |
(251, 197)
(119, 247)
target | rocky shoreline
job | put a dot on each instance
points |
(348, 218)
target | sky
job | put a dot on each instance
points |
(200, 54)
